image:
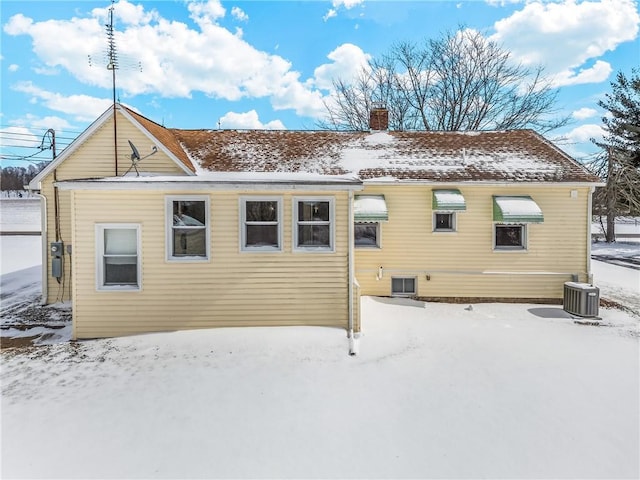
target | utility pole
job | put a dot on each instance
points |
(113, 65)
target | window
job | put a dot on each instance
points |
(261, 227)
(510, 237)
(313, 220)
(367, 235)
(444, 222)
(118, 259)
(403, 286)
(187, 228)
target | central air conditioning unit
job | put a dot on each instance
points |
(581, 299)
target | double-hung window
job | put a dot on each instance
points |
(313, 224)
(261, 224)
(118, 256)
(187, 220)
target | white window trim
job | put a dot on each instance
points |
(168, 203)
(454, 221)
(378, 245)
(507, 249)
(243, 224)
(99, 232)
(332, 220)
(402, 294)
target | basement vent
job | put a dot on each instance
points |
(581, 299)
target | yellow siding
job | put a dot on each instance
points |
(463, 264)
(92, 159)
(232, 289)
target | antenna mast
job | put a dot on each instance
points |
(113, 65)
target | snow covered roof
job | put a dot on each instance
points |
(503, 156)
(164, 136)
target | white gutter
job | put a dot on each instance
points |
(471, 183)
(43, 240)
(353, 342)
(199, 184)
(589, 220)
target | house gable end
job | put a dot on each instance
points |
(90, 155)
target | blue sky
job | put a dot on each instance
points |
(264, 64)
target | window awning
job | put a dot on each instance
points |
(448, 200)
(370, 208)
(520, 209)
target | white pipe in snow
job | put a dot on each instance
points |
(354, 344)
(352, 349)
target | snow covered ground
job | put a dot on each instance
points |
(437, 391)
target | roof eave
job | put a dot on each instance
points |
(167, 185)
(35, 182)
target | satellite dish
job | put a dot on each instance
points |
(136, 158)
(135, 155)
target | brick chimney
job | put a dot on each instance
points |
(379, 117)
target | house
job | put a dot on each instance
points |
(147, 228)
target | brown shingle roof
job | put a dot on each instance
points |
(514, 156)
(163, 135)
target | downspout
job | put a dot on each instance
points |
(353, 342)
(589, 216)
(43, 240)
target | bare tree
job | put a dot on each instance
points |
(461, 81)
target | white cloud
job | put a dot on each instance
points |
(597, 73)
(176, 59)
(58, 124)
(206, 12)
(127, 13)
(18, 24)
(330, 14)
(348, 59)
(239, 14)
(46, 70)
(348, 4)
(585, 133)
(502, 3)
(82, 107)
(565, 35)
(248, 120)
(338, 4)
(20, 137)
(584, 113)
(14, 67)
(577, 142)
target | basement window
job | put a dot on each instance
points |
(403, 286)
